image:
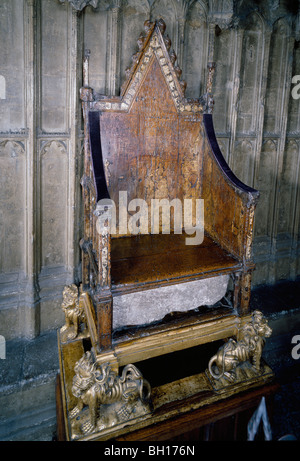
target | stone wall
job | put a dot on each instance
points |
(256, 48)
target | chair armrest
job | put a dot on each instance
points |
(229, 204)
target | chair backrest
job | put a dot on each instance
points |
(152, 136)
(152, 142)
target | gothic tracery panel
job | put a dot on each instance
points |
(265, 181)
(12, 206)
(53, 197)
(277, 70)
(250, 75)
(196, 49)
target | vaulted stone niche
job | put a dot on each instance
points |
(257, 121)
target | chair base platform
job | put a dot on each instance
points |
(180, 398)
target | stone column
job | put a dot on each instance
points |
(113, 48)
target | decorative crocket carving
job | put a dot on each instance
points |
(142, 40)
(123, 397)
(248, 348)
(75, 321)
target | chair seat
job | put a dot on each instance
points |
(149, 261)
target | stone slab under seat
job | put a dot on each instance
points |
(142, 263)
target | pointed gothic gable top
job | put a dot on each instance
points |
(154, 45)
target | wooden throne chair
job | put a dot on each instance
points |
(152, 281)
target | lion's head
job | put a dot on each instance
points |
(260, 325)
(84, 375)
(70, 296)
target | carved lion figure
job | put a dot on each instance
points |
(95, 386)
(248, 347)
(74, 312)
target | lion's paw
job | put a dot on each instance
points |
(87, 427)
(74, 412)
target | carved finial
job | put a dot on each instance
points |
(148, 25)
(173, 57)
(183, 86)
(178, 72)
(141, 41)
(86, 58)
(211, 70)
(162, 25)
(127, 72)
(168, 42)
(135, 57)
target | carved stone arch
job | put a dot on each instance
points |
(168, 11)
(243, 146)
(267, 163)
(256, 16)
(79, 5)
(221, 13)
(12, 167)
(245, 18)
(14, 147)
(244, 160)
(46, 146)
(203, 5)
(132, 7)
(270, 144)
(292, 143)
(174, 14)
(159, 7)
(196, 48)
(282, 26)
(184, 5)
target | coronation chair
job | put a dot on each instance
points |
(166, 226)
